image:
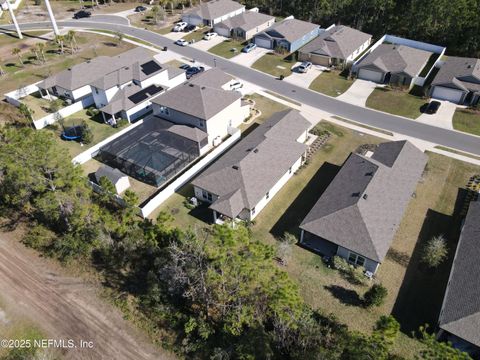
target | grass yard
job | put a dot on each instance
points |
(175, 63)
(145, 21)
(275, 64)
(196, 35)
(267, 108)
(396, 102)
(37, 104)
(467, 120)
(228, 48)
(331, 83)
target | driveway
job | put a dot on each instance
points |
(359, 92)
(304, 79)
(175, 35)
(443, 117)
(207, 44)
(248, 59)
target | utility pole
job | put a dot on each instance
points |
(52, 17)
(12, 15)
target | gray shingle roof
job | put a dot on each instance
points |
(246, 21)
(242, 177)
(110, 173)
(289, 29)
(461, 306)
(214, 77)
(339, 42)
(364, 204)
(459, 73)
(396, 59)
(102, 70)
(216, 8)
(197, 98)
(129, 97)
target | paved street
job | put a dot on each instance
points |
(453, 139)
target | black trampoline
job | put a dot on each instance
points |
(153, 152)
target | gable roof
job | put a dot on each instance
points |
(460, 313)
(200, 97)
(213, 77)
(289, 29)
(95, 70)
(242, 177)
(364, 204)
(216, 8)
(396, 59)
(339, 42)
(459, 73)
(112, 174)
(246, 21)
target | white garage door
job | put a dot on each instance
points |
(443, 93)
(221, 31)
(264, 43)
(370, 75)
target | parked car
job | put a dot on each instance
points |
(180, 26)
(249, 47)
(184, 66)
(82, 14)
(432, 107)
(191, 28)
(209, 36)
(140, 9)
(181, 42)
(304, 67)
(194, 70)
(236, 85)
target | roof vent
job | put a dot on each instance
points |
(365, 196)
(126, 68)
(235, 167)
(370, 173)
(469, 66)
(203, 88)
(255, 151)
(191, 85)
(356, 194)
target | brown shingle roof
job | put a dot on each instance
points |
(459, 73)
(216, 8)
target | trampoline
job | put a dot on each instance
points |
(72, 133)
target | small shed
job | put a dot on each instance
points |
(118, 179)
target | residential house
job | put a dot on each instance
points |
(289, 34)
(459, 320)
(458, 81)
(204, 103)
(213, 12)
(245, 25)
(358, 214)
(243, 181)
(116, 177)
(336, 46)
(394, 64)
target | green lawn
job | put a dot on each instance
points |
(331, 83)
(467, 120)
(396, 102)
(38, 105)
(275, 64)
(228, 48)
(196, 35)
(266, 106)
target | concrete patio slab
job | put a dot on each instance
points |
(359, 92)
(443, 118)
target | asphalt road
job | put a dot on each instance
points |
(436, 135)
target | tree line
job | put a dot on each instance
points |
(451, 23)
(212, 293)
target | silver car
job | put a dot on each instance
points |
(304, 67)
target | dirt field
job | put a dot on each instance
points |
(67, 308)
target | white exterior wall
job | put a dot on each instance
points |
(160, 79)
(64, 112)
(138, 110)
(251, 33)
(232, 116)
(177, 117)
(199, 195)
(81, 92)
(228, 16)
(370, 265)
(359, 51)
(177, 80)
(103, 97)
(192, 19)
(122, 184)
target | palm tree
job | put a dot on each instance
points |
(155, 11)
(41, 49)
(34, 52)
(60, 40)
(119, 38)
(17, 52)
(72, 40)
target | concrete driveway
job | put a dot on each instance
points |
(359, 92)
(207, 44)
(304, 79)
(248, 59)
(443, 118)
(175, 35)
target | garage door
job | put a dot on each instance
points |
(370, 75)
(443, 93)
(264, 43)
(221, 31)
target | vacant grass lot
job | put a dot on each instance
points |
(228, 48)
(395, 102)
(275, 64)
(467, 120)
(331, 83)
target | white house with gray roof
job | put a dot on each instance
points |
(335, 46)
(359, 213)
(212, 12)
(458, 81)
(459, 320)
(245, 25)
(204, 102)
(243, 181)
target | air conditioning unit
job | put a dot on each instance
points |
(217, 141)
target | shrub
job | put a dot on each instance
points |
(122, 122)
(340, 264)
(87, 135)
(388, 327)
(38, 237)
(435, 251)
(375, 296)
(92, 112)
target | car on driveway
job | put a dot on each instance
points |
(184, 66)
(179, 26)
(190, 28)
(82, 14)
(432, 107)
(304, 67)
(236, 85)
(209, 35)
(181, 42)
(249, 47)
(140, 9)
(194, 70)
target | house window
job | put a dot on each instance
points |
(356, 259)
(164, 110)
(206, 195)
(253, 211)
(96, 91)
(267, 195)
(290, 170)
(201, 123)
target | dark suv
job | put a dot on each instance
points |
(82, 14)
